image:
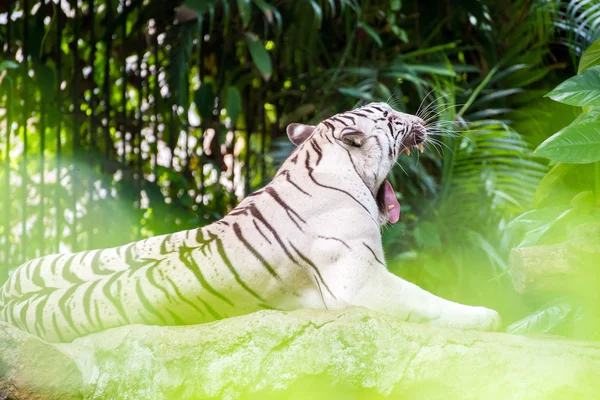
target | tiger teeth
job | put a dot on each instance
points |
(408, 151)
(420, 146)
(390, 206)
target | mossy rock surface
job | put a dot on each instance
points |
(33, 369)
(350, 354)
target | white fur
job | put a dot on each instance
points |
(317, 229)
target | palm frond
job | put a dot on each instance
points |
(493, 162)
(580, 22)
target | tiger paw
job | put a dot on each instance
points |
(476, 318)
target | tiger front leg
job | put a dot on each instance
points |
(388, 294)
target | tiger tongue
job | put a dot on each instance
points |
(391, 203)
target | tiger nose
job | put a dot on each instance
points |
(418, 133)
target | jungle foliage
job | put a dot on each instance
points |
(123, 119)
(567, 198)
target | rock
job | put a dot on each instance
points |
(354, 353)
(33, 369)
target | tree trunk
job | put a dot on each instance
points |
(540, 267)
(568, 266)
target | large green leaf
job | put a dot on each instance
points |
(590, 58)
(537, 223)
(580, 90)
(592, 114)
(575, 144)
(544, 320)
(259, 55)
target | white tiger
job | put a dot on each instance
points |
(309, 239)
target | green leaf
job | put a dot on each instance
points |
(427, 50)
(318, 12)
(8, 64)
(234, 103)
(395, 5)
(200, 6)
(477, 90)
(205, 101)
(589, 114)
(583, 200)
(371, 32)
(211, 18)
(590, 58)
(245, 10)
(444, 70)
(356, 93)
(259, 55)
(225, 17)
(580, 90)
(270, 12)
(537, 223)
(549, 181)
(575, 144)
(400, 33)
(332, 6)
(383, 91)
(544, 320)
(487, 248)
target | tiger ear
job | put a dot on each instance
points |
(352, 137)
(298, 133)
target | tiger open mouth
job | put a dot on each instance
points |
(386, 198)
(387, 202)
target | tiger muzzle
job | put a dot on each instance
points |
(415, 138)
(418, 133)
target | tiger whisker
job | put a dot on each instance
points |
(442, 144)
(424, 98)
(446, 132)
(440, 111)
(433, 145)
(403, 170)
(452, 135)
(445, 122)
(439, 105)
(432, 103)
(392, 100)
(435, 109)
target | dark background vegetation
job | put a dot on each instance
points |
(122, 119)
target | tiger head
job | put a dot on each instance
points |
(371, 137)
